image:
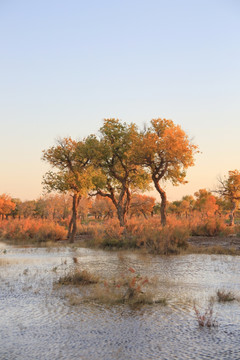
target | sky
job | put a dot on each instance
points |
(67, 65)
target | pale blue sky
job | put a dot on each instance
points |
(66, 65)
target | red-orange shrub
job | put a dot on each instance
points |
(211, 226)
(32, 229)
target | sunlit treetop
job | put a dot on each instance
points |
(6, 204)
(233, 184)
(71, 166)
(167, 150)
(115, 155)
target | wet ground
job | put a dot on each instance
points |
(227, 242)
(38, 322)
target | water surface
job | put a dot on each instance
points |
(37, 321)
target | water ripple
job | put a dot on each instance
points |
(37, 321)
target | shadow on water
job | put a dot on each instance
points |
(38, 322)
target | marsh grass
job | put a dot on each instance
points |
(225, 296)
(205, 318)
(115, 296)
(128, 289)
(78, 277)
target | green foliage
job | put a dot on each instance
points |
(70, 160)
(124, 242)
(115, 156)
(115, 159)
(73, 173)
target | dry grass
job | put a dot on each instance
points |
(225, 296)
(113, 296)
(128, 289)
(78, 277)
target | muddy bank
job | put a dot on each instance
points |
(227, 242)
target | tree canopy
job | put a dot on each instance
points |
(120, 172)
(119, 162)
(166, 151)
(229, 188)
(72, 173)
(7, 205)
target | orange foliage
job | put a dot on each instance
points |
(102, 207)
(166, 150)
(206, 203)
(32, 230)
(141, 205)
(6, 205)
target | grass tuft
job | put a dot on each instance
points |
(78, 277)
(225, 296)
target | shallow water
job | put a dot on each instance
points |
(37, 321)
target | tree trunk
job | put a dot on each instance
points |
(70, 227)
(145, 216)
(232, 213)
(163, 208)
(73, 222)
(121, 204)
(121, 215)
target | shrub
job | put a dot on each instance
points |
(108, 234)
(32, 230)
(212, 226)
(167, 240)
(139, 233)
